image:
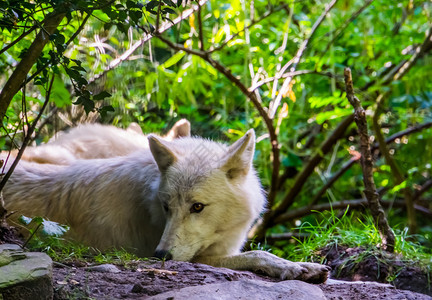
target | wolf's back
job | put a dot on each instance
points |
(106, 202)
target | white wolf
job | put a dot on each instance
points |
(90, 141)
(188, 199)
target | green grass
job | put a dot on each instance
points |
(349, 230)
(47, 237)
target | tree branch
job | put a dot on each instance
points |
(23, 35)
(12, 86)
(353, 160)
(301, 178)
(387, 235)
(38, 71)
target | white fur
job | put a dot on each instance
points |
(121, 202)
(89, 141)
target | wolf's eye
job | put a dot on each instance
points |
(197, 207)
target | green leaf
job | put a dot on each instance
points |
(169, 3)
(89, 105)
(152, 4)
(102, 95)
(59, 94)
(168, 10)
(292, 160)
(105, 109)
(173, 59)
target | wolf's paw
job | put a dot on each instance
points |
(281, 268)
(315, 273)
(271, 265)
(284, 269)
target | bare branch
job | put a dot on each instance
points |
(353, 160)
(311, 164)
(387, 235)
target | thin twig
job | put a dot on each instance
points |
(293, 74)
(424, 188)
(200, 30)
(299, 213)
(27, 138)
(353, 160)
(341, 29)
(296, 59)
(38, 71)
(146, 37)
(253, 23)
(23, 35)
(286, 236)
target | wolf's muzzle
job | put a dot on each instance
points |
(163, 254)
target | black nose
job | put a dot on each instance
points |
(163, 254)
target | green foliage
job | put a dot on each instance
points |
(48, 236)
(351, 230)
(158, 85)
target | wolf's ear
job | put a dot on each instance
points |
(163, 156)
(134, 127)
(180, 129)
(238, 160)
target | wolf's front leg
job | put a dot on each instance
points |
(269, 264)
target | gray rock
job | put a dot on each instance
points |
(359, 290)
(247, 290)
(24, 275)
(105, 268)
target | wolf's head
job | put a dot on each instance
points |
(210, 194)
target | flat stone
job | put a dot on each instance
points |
(359, 290)
(247, 290)
(105, 268)
(24, 275)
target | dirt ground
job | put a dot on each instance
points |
(357, 264)
(144, 279)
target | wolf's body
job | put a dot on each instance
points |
(188, 199)
(89, 141)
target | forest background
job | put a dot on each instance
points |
(227, 66)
